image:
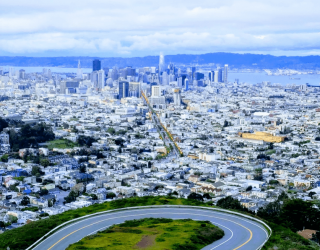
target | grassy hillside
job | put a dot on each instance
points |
(153, 234)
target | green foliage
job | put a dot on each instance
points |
(36, 170)
(22, 237)
(283, 238)
(13, 219)
(195, 196)
(85, 140)
(25, 201)
(13, 188)
(33, 209)
(230, 203)
(3, 124)
(111, 131)
(62, 144)
(5, 157)
(163, 234)
(44, 162)
(29, 137)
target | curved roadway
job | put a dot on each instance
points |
(240, 233)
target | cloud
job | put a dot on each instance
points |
(140, 27)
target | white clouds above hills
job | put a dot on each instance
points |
(140, 27)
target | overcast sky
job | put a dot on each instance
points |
(129, 28)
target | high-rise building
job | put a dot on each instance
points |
(225, 74)
(96, 65)
(216, 74)
(68, 87)
(123, 89)
(211, 76)
(161, 62)
(156, 91)
(79, 71)
(219, 75)
(198, 76)
(22, 74)
(49, 74)
(186, 84)
(193, 71)
(165, 78)
(114, 74)
(177, 96)
(101, 79)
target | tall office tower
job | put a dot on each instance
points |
(179, 80)
(165, 78)
(114, 74)
(96, 65)
(186, 84)
(225, 76)
(106, 71)
(211, 76)
(193, 71)
(79, 71)
(94, 79)
(161, 62)
(49, 74)
(123, 89)
(22, 74)
(179, 72)
(172, 68)
(216, 74)
(134, 89)
(219, 75)
(177, 96)
(198, 76)
(172, 78)
(153, 70)
(101, 79)
(156, 91)
(44, 72)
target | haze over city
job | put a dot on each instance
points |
(140, 28)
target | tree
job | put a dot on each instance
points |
(249, 188)
(311, 194)
(230, 203)
(36, 170)
(65, 125)
(94, 196)
(110, 195)
(207, 196)
(3, 124)
(111, 131)
(4, 158)
(13, 219)
(195, 196)
(13, 188)
(273, 182)
(85, 140)
(82, 169)
(44, 162)
(25, 201)
(43, 191)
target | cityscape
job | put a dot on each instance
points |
(159, 150)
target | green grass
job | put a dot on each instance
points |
(23, 237)
(62, 144)
(284, 239)
(153, 234)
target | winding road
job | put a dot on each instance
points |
(240, 233)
